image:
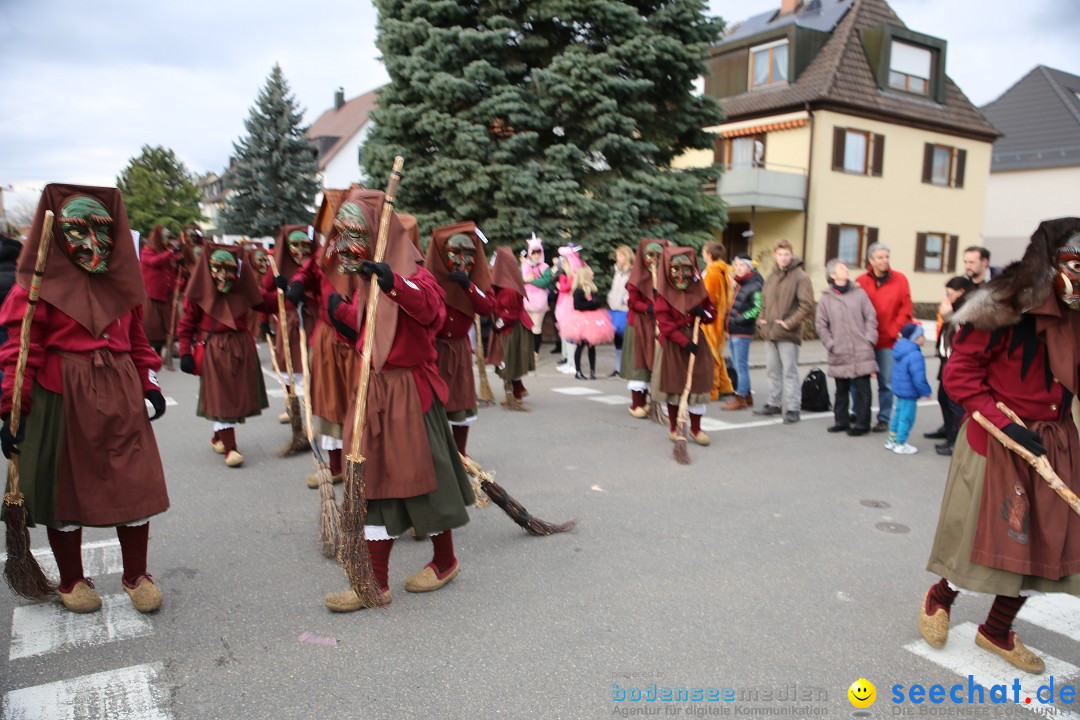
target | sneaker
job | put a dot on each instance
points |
(890, 444)
(566, 369)
(791, 417)
(905, 449)
(880, 426)
(768, 410)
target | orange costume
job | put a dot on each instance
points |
(718, 284)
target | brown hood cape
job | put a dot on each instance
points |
(93, 301)
(285, 264)
(435, 262)
(400, 255)
(245, 293)
(412, 226)
(505, 271)
(1022, 295)
(682, 300)
(640, 277)
(156, 241)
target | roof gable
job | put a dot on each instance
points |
(1040, 116)
(332, 130)
(840, 77)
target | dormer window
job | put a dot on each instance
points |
(769, 65)
(909, 68)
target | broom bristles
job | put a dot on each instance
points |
(517, 512)
(329, 513)
(680, 450)
(352, 549)
(21, 570)
(299, 441)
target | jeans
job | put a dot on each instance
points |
(902, 419)
(782, 365)
(859, 388)
(884, 383)
(740, 353)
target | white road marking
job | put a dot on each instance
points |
(99, 558)
(576, 390)
(49, 627)
(963, 657)
(611, 399)
(1057, 613)
(132, 693)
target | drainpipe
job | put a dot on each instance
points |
(809, 171)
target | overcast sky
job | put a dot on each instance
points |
(83, 86)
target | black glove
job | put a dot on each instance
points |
(649, 311)
(7, 441)
(699, 312)
(692, 347)
(386, 275)
(282, 282)
(187, 364)
(460, 278)
(332, 303)
(1025, 438)
(158, 400)
(264, 329)
(295, 293)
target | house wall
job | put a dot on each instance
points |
(344, 168)
(1017, 201)
(898, 203)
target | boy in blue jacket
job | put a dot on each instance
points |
(908, 385)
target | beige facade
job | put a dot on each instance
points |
(1018, 200)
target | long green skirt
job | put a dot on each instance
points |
(442, 509)
(518, 357)
(628, 370)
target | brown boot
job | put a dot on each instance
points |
(735, 403)
(750, 399)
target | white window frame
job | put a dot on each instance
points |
(769, 82)
(904, 79)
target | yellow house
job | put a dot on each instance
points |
(842, 129)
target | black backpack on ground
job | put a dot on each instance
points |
(815, 392)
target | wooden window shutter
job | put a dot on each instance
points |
(718, 153)
(879, 155)
(920, 252)
(954, 241)
(928, 163)
(961, 161)
(871, 238)
(838, 137)
(832, 242)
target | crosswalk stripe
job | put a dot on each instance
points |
(49, 627)
(131, 693)
(963, 657)
(99, 558)
(576, 390)
(609, 399)
(1057, 613)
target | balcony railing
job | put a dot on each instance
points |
(770, 186)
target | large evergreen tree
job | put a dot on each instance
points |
(274, 174)
(158, 190)
(555, 116)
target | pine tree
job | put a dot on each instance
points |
(158, 190)
(555, 116)
(274, 175)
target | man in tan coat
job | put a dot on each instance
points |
(786, 302)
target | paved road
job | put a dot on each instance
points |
(784, 564)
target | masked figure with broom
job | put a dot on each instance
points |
(87, 454)
(295, 244)
(455, 256)
(260, 260)
(510, 348)
(159, 264)
(639, 340)
(215, 343)
(414, 476)
(1002, 530)
(680, 298)
(333, 361)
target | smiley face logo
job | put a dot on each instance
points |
(862, 693)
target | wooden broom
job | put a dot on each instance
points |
(514, 509)
(353, 551)
(657, 411)
(1040, 463)
(21, 570)
(170, 334)
(292, 404)
(681, 451)
(486, 397)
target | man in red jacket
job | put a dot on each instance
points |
(891, 297)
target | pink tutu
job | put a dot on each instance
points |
(591, 326)
(564, 305)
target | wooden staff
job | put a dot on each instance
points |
(292, 404)
(353, 552)
(1040, 462)
(170, 333)
(682, 454)
(21, 570)
(656, 410)
(486, 397)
